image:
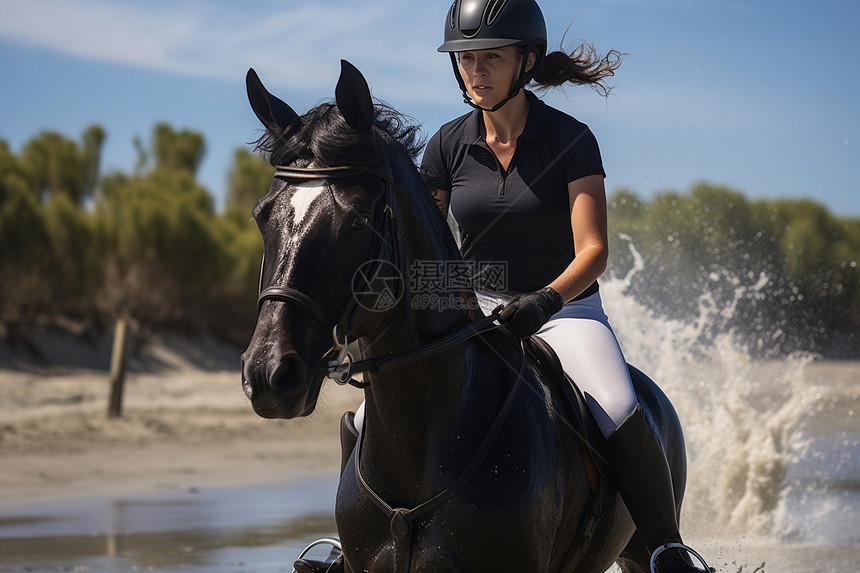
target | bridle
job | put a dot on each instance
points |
(344, 366)
(289, 295)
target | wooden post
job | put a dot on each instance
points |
(117, 370)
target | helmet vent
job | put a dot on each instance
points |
(452, 15)
(493, 11)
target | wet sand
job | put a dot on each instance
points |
(185, 424)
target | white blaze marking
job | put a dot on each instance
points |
(304, 197)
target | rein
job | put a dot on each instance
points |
(342, 369)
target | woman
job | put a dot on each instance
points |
(524, 183)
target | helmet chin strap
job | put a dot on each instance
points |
(515, 89)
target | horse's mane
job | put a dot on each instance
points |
(325, 138)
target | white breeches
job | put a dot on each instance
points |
(589, 352)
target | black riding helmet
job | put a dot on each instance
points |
(488, 24)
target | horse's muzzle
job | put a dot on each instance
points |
(278, 387)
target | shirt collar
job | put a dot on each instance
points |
(537, 114)
(534, 122)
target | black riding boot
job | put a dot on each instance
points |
(643, 478)
(334, 563)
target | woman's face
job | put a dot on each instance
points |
(489, 74)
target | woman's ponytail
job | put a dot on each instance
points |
(582, 66)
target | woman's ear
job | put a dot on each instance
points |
(532, 58)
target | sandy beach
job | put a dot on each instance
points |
(187, 429)
(186, 424)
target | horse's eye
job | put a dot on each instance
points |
(360, 222)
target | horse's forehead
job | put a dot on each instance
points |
(304, 196)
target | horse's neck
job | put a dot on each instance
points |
(426, 391)
(418, 406)
(434, 412)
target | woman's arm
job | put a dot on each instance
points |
(526, 313)
(588, 221)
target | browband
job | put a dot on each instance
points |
(288, 172)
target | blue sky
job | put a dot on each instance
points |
(758, 95)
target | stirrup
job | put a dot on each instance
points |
(683, 547)
(336, 550)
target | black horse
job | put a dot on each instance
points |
(474, 455)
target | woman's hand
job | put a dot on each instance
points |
(526, 313)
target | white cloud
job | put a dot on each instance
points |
(294, 46)
(99, 30)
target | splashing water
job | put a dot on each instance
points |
(743, 419)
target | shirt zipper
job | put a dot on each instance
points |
(500, 170)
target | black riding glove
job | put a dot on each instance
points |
(526, 313)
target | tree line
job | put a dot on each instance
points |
(81, 247)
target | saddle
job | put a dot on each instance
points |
(572, 409)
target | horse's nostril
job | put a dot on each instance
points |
(289, 371)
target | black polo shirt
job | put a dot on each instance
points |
(521, 216)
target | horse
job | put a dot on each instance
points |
(474, 454)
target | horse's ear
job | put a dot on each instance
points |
(275, 115)
(353, 98)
